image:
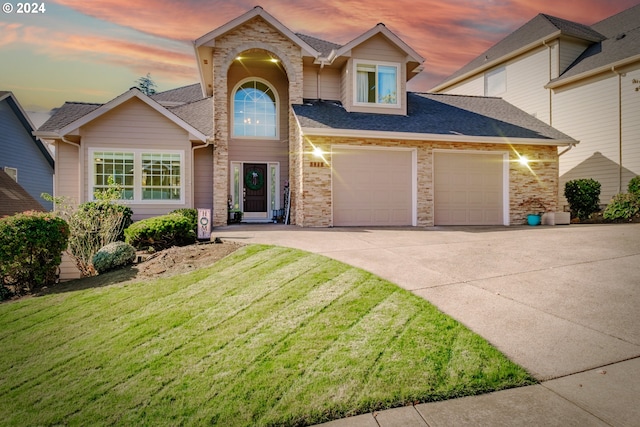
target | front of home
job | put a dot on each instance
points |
(283, 116)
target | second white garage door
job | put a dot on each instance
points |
(468, 189)
(372, 187)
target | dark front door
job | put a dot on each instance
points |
(255, 187)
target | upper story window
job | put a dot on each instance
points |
(377, 84)
(255, 110)
(495, 82)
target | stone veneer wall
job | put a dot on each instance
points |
(254, 34)
(314, 206)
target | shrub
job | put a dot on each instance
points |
(634, 186)
(191, 214)
(161, 232)
(105, 210)
(583, 196)
(31, 246)
(623, 206)
(114, 255)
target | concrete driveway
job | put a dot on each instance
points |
(556, 300)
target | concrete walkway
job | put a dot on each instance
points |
(563, 302)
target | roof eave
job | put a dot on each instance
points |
(131, 93)
(493, 63)
(595, 71)
(209, 38)
(435, 137)
(378, 29)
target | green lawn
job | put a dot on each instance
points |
(266, 336)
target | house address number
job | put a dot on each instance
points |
(317, 164)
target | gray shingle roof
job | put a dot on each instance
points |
(537, 28)
(437, 114)
(626, 20)
(195, 110)
(15, 199)
(623, 32)
(198, 114)
(322, 46)
(184, 94)
(68, 113)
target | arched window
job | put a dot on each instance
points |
(254, 110)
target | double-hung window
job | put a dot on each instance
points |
(377, 83)
(143, 176)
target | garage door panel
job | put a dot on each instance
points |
(468, 189)
(372, 187)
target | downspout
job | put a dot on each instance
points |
(613, 69)
(80, 169)
(193, 171)
(544, 43)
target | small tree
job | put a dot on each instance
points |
(147, 85)
(583, 196)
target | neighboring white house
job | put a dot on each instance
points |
(582, 80)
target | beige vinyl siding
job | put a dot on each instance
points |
(203, 178)
(526, 77)
(376, 49)
(261, 151)
(67, 178)
(569, 52)
(588, 111)
(630, 125)
(326, 81)
(473, 87)
(134, 125)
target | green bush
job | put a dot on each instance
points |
(106, 209)
(583, 196)
(623, 206)
(161, 232)
(31, 246)
(114, 255)
(634, 186)
(191, 214)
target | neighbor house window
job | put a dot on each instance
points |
(12, 172)
(495, 82)
(377, 83)
(143, 176)
(255, 110)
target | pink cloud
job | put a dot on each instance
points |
(448, 34)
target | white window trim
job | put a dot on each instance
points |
(12, 172)
(233, 109)
(376, 104)
(137, 174)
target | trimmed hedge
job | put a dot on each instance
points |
(31, 246)
(114, 255)
(191, 214)
(161, 232)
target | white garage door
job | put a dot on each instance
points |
(371, 187)
(468, 189)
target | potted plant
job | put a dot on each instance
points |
(536, 207)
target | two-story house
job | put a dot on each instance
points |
(333, 124)
(583, 80)
(23, 157)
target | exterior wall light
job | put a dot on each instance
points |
(524, 161)
(317, 152)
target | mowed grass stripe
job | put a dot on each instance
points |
(267, 336)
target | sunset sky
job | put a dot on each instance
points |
(91, 51)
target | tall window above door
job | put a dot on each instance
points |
(377, 84)
(255, 110)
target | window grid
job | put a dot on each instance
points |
(254, 111)
(160, 176)
(116, 165)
